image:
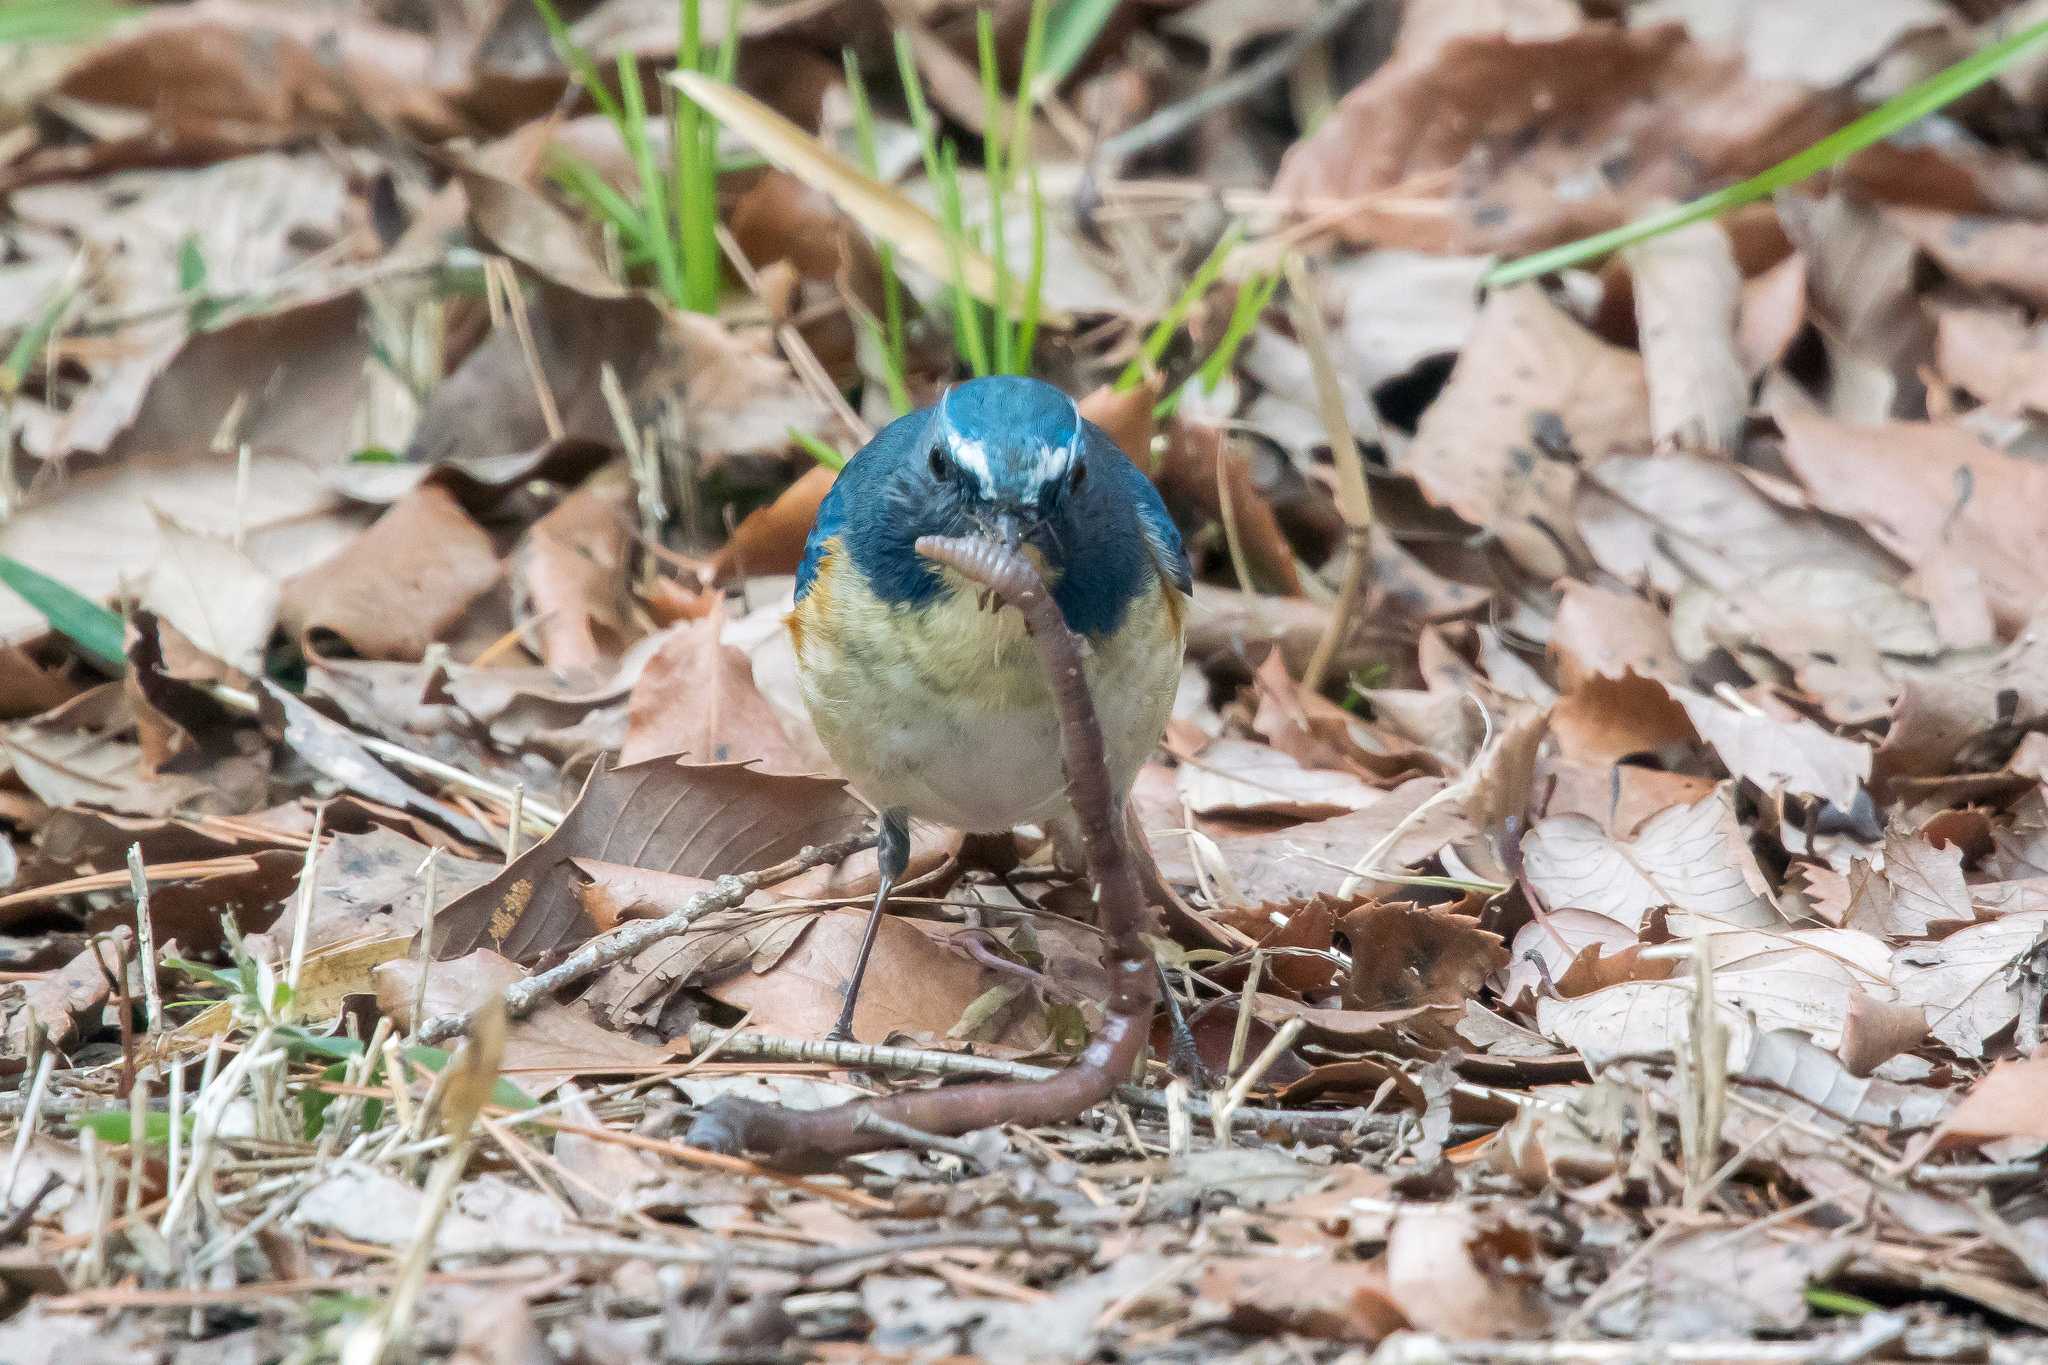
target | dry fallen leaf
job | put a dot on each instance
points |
(215, 595)
(1242, 777)
(570, 575)
(1994, 355)
(1307, 860)
(1325, 1299)
(702, 821)
(1965, 981)
(1794, 756)
(1567, 131)
(770, 540)
(1687, 290)
(1607, 634)
(1691, 859)
(1455, 1273)
(1932, 493)
(1533, 395)
(2011, 1100)
(915, 986)
(697, 699)
(398, 585)
(554, 1042)
(1407, 955)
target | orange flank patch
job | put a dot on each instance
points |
(814, 611)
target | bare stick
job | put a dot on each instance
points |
(1261, 1064)
(1354, 499)
(429, 869)
(145, 941)
(784, 1137)
(1175, 119)
(626, 940)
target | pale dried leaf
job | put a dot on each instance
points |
(1532, 392)
(1688, 858)
(1241, 777)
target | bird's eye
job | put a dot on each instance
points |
(1080, 473)
(939, 466)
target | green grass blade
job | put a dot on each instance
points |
(653, 190)
(21, 356)
(579, 62)
(1034, 286)
(942, 168)
(504, 1094)
(1023, 153)
(967, 311)
(895, 348)
(57, 21)
(585, 182)
(1253, 298)
(1906, 107)
(1072, 30)
(727, 68)
(85, 623)
(1162, 331)
(696, 158)
(818, 450)
(995, 173)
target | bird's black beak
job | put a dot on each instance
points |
(1008, 532)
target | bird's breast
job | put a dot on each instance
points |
(944, 707)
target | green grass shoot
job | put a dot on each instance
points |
(1073, 29)
(1908, 106)
(1254, 296)
(818, 450)
(669, 224)
(21, 356)
(1161, 335)
(999, 339)
(891, 336)
(95, 630)
(57, 21)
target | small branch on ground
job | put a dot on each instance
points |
(1321, 1125)
(628, 939)
(785, 1137)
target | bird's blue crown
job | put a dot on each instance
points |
(1016, 440)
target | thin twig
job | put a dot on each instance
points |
(905, 1135)
(145, 941)
(430, 891)
(1241, 1089)
(537, 812)
(1354, 498)
(499, 274)
(628, 939)
(1175, 119)
(38, 1090)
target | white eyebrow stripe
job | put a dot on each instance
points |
(972, 456)
(1052, 464)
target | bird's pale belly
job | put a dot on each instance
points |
(945, 711)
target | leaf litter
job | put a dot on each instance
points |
(1634, 937)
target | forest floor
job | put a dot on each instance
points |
(1603, 811)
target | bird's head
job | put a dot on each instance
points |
(1012, 460)
(1004, 455)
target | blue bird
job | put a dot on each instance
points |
(931, 700)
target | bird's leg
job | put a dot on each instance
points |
(1183, 1057)
(892, 853)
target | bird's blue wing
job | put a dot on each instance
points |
(831, 521)
(1160, 532)
(852, 511)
